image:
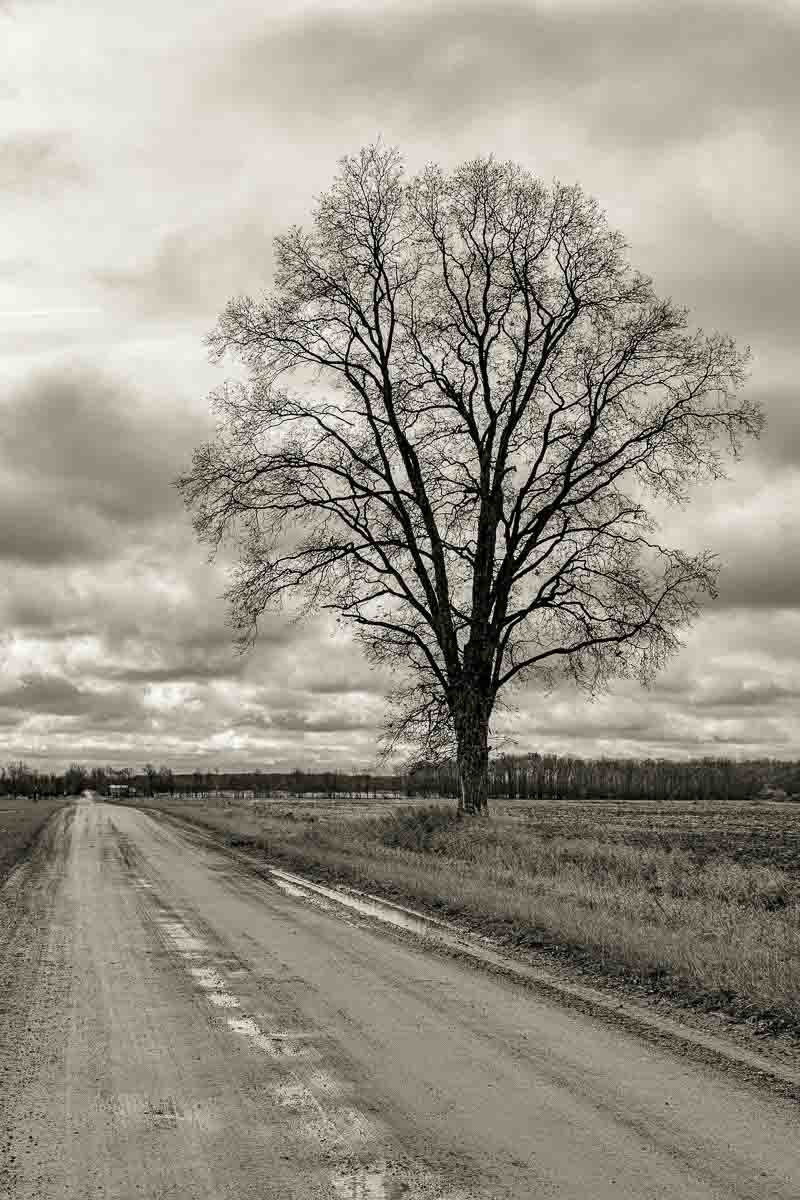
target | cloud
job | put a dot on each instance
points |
(84, 462)
(778, 448)
(747, 693)
(650, 726)
(741, 279)
(752, 526)
(683, 116)
(765, 573)
(732, 690)
(649, 77)
(38, 163)
(194, 271)
(296, 721)
(56, 695)
(37, 529)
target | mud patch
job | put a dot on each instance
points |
(207, 978)
(276, 1047)
(368, 1183)
(224, 1000)
(186, 942)
(161, 1114)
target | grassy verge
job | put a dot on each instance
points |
(699, 902)
(20, 822)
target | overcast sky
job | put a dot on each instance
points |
(149, 152)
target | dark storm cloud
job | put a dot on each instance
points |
(34, 528)
(294, 721)
(723, 695)
(141, 620)
(649, 76)
(42, 693)
(733, 689)
(83, 462)
(33, 164)
(202, 665)
(138, 635)
(57, 696)
(186, 638)
(351, 677)
(764, 576)
(654, 724)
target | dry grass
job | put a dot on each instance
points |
(700, 901)
(20, 822)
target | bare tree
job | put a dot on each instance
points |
(458, 398)
(76, 778)
(151, 775)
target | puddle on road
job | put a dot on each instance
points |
(366, 1183)
(322, 1083)
(223, 1000)
(278, 1046)
(290, 889)
(303, 894)
(208, 978)
(162, 1114)
(186, 942)
(137, 1109)
(246, 1027)
(370, 906)
(294, 1095)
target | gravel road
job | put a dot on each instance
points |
(174, 1026)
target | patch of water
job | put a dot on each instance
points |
(137, 1108)
(186, 942)
(366, 1183)
(246, 1027)
(303, 894)
(224, 1000)
(208, 978)
(322, 1082)
(294, 1095)
(290, 889)
(371, 906)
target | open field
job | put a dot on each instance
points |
(699, 902)
(20, 821)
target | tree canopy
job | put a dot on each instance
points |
(459, 397)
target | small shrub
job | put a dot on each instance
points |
(417, 828)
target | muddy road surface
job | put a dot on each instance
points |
(174, 1026)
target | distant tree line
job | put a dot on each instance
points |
(526, 776)
(20, 779)
(295, 783)
(552, 776)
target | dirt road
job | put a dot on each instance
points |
(171, 1025)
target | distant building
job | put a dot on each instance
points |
(117, 790)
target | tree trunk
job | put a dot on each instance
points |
(473, 761)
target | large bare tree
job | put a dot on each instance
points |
(458, 398)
